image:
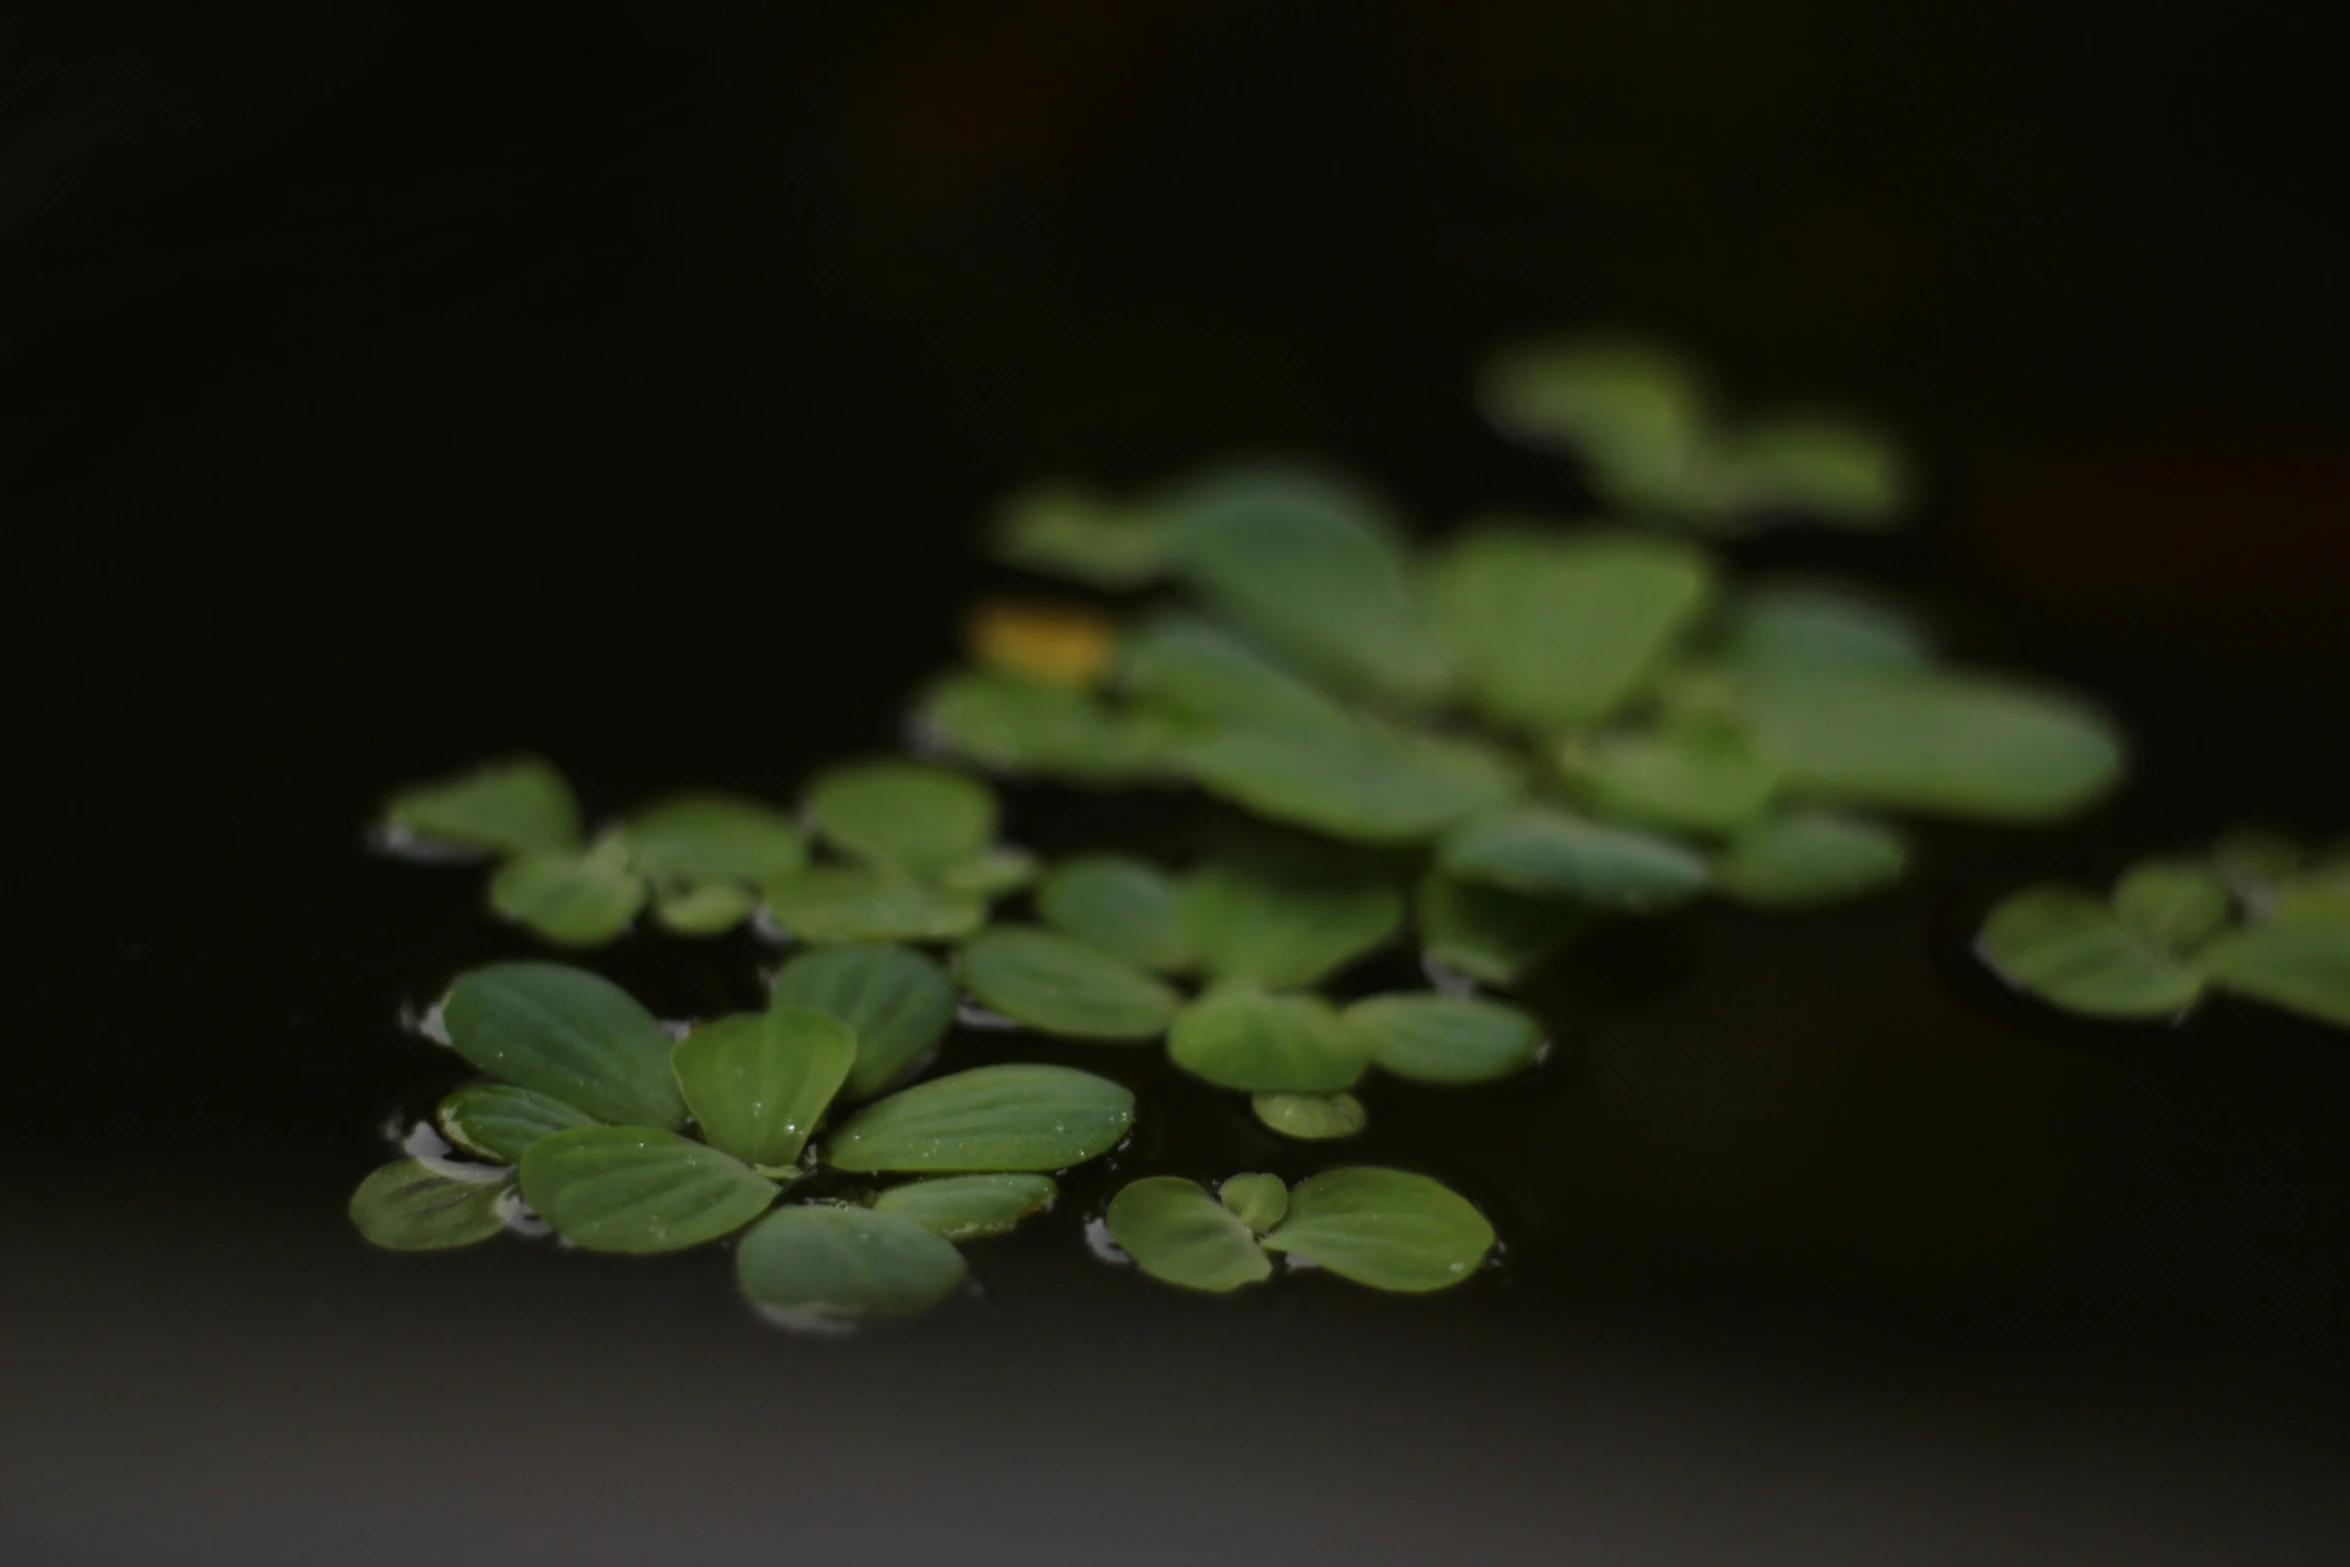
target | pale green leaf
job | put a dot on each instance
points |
(520, 806)
(903, 815)
(871, 903)
(2066, 948)
(1389, 1229)
(407, 1206)
(898, 1003)
(2300, 965)
(992, 873)
(1554, 631)
(1691, 777)
(968, 1207)
(1546, 851)
(1287, 921)
(1638, 413)
(1067, 530)
(1016, 1116)
(1257, 1201)
(1196, 669)
(638, 1189)
(1799, 627)
(1362, 782)
(758, 1082)
(1314, 568)
(2175, 904)
(573, 898)
(1949, 745)
(1178, 1234)
(1445, 1039)
(698, 838)
(1060, 985)
(1310, 1117)
(1491, 936)
(499, 1121)
(823, 1266)
(568, 1034)
(709, 909)
(1830, 470)
(1238, 1036)
(1120, 904)
(1014, 725)
(1806, 856)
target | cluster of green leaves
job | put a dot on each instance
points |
(906, 851)
(1645, 423)
(2254, 915)
(623, 1140)
(1390, 1229)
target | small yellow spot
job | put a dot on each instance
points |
(1066, 644)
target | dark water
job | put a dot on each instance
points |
(384, 392)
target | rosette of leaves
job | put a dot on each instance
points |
(2254, 915)
(1390, 1229)
(622, 1139)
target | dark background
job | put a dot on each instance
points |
(385, 387)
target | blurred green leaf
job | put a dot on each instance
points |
(1691, 777)
(1120, 904)
(1363, 783)
(1018, 726)
(1067, 530)
(518, 806)
(2066, 948)
(2299, 965)
(2175, 904)
(1545, 851)
(1238, 1036)
(1287, 921)
(1060, 985)
(1825, 469)
(702, 838)
(1491, 936)
(1445, 1039)
(968, 1207)
(1310, 1117)
(871, 903)
(991, 873)
(1799, 627)
(575, 899)
(820, 1266)
(1555, 632)
(710, 909)
(904, 815)
(1192, 668)
(1805, 856)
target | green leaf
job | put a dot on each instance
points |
(1317, 570)
(2319, 894)
(1310, 1117)
(1287, 921)
(1120, 904)
(1698, 778)
(898, 1002)
(1362, 782)
(821, 1266)
(1445, 1039)
(1637, 412)
(406, 1206)
(701, 838)
(2175, 904)
(1544, 851)
(758, 1082)
(1178, 1234)
(991, 873)
(1806, 856)
(903, 815)
(577, 899)
(1257, 1201)
(520, 806)
(1060, 985)
(2253, 862)
(1389, 1229)
(711, 909)
(1238, 1036)
(2066, 948)
(1196, 669)
(637, 1189)
(1828, 469)
(1556, 632)
(1066, 530)
(1016, 1116)
(1491, 936)
(1801, 627)
(1018, 726)
(2300, 965)
(499, 1121)
(870, 903)
(568, 1034)
(968, 1207)
(1947, 745)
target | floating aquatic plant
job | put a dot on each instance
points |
(1481, 749)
